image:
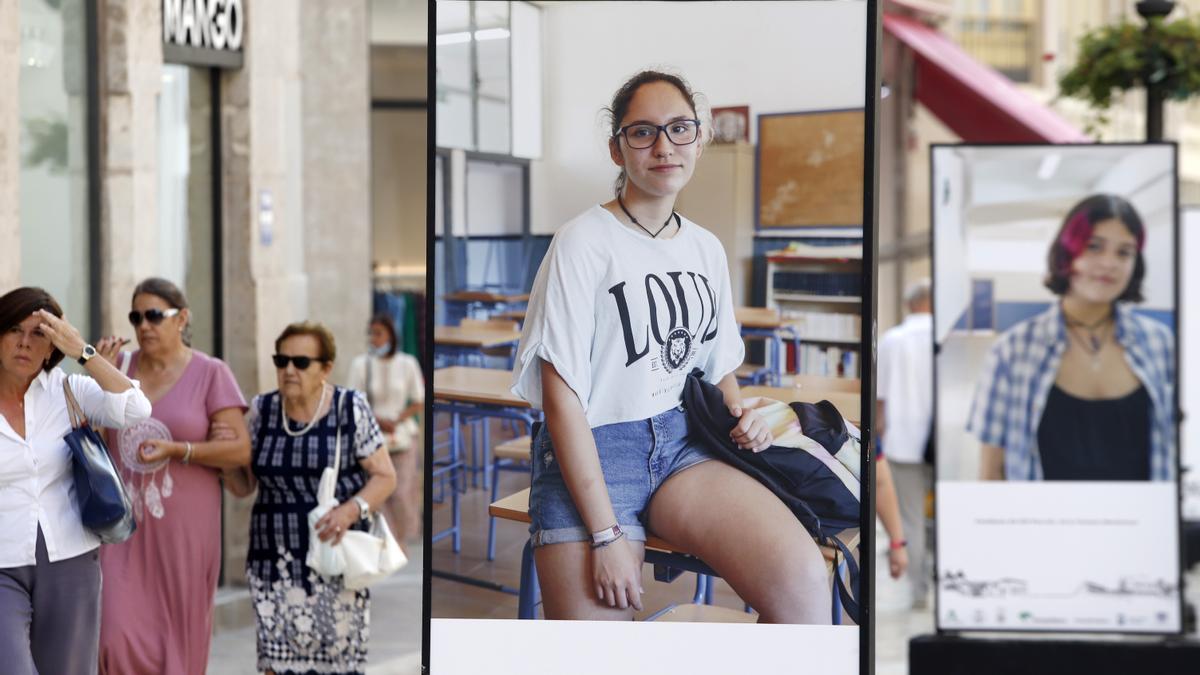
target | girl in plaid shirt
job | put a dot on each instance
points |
(1086, 389)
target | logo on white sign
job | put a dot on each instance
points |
(211, 24)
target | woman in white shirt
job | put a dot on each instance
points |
(49, 568)
(395, 388)
(629, 298)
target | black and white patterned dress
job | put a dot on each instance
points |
(306, 623)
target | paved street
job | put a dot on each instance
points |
(395, 627)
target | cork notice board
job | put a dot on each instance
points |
(810, 169)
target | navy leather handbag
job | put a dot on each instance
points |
(103, 503)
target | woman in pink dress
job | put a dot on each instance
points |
(157, 600)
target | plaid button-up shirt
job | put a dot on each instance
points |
(1021, 368)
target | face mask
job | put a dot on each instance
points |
(379, 351)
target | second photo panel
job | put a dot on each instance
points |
(652, 259)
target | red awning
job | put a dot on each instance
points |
(976, 102)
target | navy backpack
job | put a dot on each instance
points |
(820, 500)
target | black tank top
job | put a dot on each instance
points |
(1095, 439)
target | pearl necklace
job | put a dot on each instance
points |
(316, 415)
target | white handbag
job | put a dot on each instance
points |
(361, 558)
(401, 439)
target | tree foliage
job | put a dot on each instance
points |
(1116, 58)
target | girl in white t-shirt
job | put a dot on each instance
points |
(629, 299)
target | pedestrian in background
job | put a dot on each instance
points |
(904, 419)
(395, 388)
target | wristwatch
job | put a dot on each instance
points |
(364, 509)
(88, 352)
(606, 536)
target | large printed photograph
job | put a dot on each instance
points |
(617, 408)
(1055, 313)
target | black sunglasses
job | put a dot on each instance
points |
(154, 316)
(302, 362)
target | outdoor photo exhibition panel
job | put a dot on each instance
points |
(1055, 425)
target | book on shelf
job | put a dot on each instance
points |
(819, 283)
(850, 364)
(801, 250)
(828, 326)
(827, 361)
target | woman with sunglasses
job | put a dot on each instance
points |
(307, 622)
(49, 574)
(629, 299)
(159, 585)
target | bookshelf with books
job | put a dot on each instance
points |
(818, 289)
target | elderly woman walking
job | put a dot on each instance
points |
(307, 622)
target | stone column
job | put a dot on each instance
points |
(336, 165)
(262, 256)
(295, 191)
(130, 81)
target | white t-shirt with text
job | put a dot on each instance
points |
(624, 318)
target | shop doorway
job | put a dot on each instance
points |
(189, 196)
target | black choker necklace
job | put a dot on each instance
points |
(1095, 338)
(653, 235)
(1072, 321)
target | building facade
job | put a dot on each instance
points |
(222, 144)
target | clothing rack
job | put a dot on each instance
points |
(400, 292)
(399, 279)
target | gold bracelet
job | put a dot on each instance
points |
(187, 455)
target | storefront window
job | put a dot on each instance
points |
(53, 192)
(185, 193)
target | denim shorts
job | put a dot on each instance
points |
(636, 458)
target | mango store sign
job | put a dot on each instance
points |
(203, 32)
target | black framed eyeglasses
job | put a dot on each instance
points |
(644, 135)
(154, 316)
(302, 362)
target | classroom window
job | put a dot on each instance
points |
(495, 197)
(496, 219)
(473, 76)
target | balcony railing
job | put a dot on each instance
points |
(1007, 44)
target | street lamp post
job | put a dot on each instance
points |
(1150, 9)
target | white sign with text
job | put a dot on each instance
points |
(1058, 556)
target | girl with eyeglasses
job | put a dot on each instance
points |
(630, 297)
(307, 622)
(1086, 389)
(159, 585)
